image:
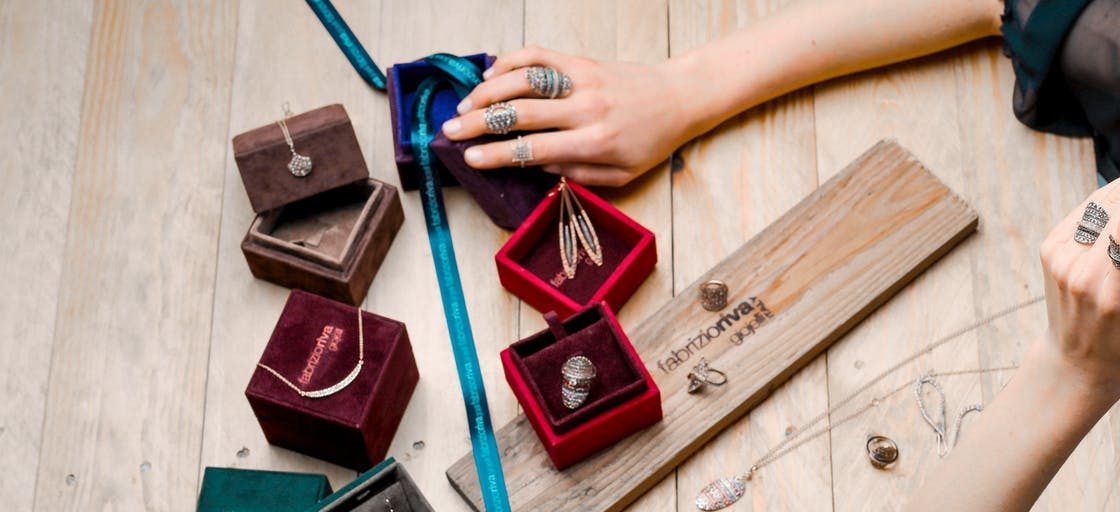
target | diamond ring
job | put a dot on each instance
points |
(548, 82)
(500, 118)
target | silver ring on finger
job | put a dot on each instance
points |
(548, 82)
(500, 118)
(1113, 251)
(521, 152)
(1093, 221)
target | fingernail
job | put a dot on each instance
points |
(452, 126)
(488, 72)
(464, 106)
(473, 156)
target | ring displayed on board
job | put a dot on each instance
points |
(1092, 222)
(881, 451)
(521, 151)
(578, 372)
(500, 118)
(702, 375)
(548, 82)
(713, 295)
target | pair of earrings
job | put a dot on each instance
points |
(576, 230)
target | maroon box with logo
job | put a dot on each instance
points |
(326, 232)
(529, 263)
(315, 346)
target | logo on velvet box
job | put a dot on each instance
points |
(327, 342)
(581, 259)
(740, 323)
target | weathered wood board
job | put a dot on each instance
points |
(818, 270)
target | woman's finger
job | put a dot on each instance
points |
(531, 115)
(527, 56)
(503, 87)
(1062, 235)
(591, 174)
(546, 148)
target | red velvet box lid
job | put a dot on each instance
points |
(624, 397)
(315, 345)
(324, 134)
(507, 195)
(529, 262)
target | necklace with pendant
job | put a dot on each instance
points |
(299, 165)
(724, 492)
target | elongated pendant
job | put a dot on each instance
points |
(568, 253)
(299, 165)
(721, 493)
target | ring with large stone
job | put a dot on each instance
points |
(1093, 221)
(578, 372)
(702, 374)
(500, 118)
(548, 82)
(882, 451)
(1114, 251)
(521, 152)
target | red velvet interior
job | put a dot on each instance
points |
(540, 253)
(541, 356)
(303, 320)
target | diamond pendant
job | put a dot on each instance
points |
(721, 493)
(299, 165)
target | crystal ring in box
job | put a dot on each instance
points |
(578, 372)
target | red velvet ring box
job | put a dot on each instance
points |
(401, 84)
(315, 346)
(529, 263)
(326, 232)
(623, 397)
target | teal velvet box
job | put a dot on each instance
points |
(249, 490)
(387, 487)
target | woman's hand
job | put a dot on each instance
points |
(1083, 299)
(618, 121)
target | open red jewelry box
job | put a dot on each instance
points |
(623, 396)
(315, 346)
(326, 232)
(529, 263)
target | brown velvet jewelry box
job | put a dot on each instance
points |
(315, 347)
(326, 232)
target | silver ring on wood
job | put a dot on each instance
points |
(702, 375)
(881, 451)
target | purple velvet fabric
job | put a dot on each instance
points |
(541, 356)
(507, 195)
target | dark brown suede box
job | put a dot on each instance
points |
(326, 232)
(315, 346)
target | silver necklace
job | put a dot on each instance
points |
(338, 386)
(723, 492)
(299, 165)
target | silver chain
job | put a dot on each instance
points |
(795, 439)
(283, 122)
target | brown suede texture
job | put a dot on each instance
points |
(354, 426)
(351, 283)
(540, 358)
(324, 134)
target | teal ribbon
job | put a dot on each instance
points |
(461, 76)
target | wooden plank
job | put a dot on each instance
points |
(627, 31)
(406, 287)
(123, 422)
(40, 103)
(1029, 181)
(313, 73)
(747, 173)
(820, 268)
(915, 103)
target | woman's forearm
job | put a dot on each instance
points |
(815, 40)
(1006, 459)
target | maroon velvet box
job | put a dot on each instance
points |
(400, 85)
(326, 232)
(315, 346)
(507, 195)
(623, 397)
(529, 263)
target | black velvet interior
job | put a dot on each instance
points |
(540, 252)
(541, 356)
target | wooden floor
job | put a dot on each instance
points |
(131, 323)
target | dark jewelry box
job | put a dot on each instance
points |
(250, 490)
(623, 397)
(385, 488)
(529, 263)
(327, 232)
(353, 427)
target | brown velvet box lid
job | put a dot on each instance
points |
(324, 134)
(315, 346)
